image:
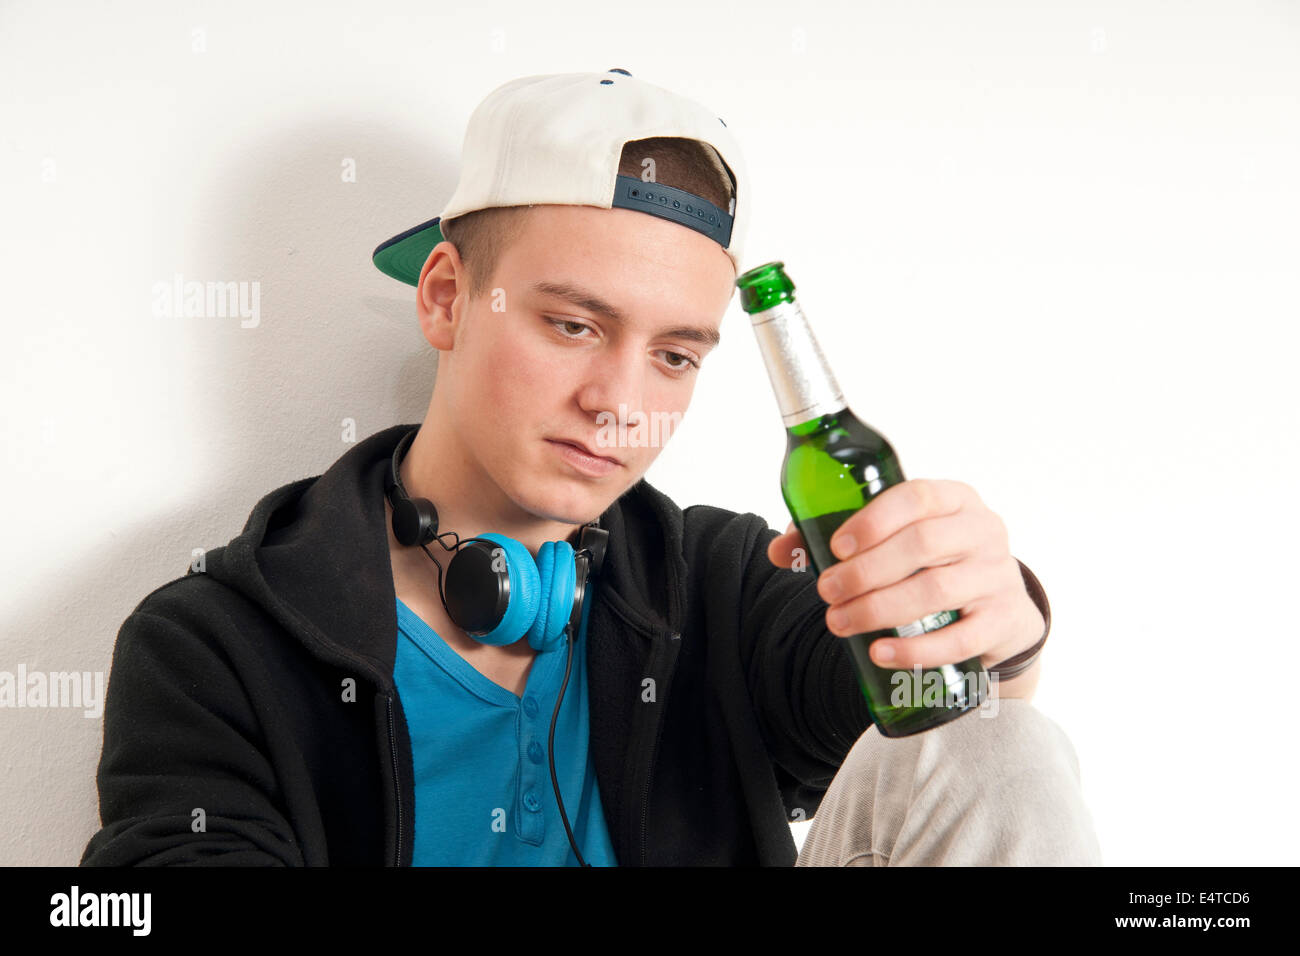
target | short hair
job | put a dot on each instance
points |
(481, 237)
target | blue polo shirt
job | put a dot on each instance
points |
(483, 792)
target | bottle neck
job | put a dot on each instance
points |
(803, 382)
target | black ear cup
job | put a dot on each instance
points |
(415, 520)
(477, 594)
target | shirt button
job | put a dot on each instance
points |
(531, 801)
(535, 752)
(530, 706)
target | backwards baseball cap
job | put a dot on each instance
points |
(557, 139)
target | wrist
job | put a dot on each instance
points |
(1019, 664)
(1022, 685)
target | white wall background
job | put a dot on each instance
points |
(1051, 248)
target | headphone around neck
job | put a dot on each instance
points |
(495, 591)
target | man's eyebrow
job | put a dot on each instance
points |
(585, 299)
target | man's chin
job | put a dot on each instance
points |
(567, 507)
(579, 507)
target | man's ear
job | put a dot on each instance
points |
(441, 296)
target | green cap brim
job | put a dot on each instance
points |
(404, 255)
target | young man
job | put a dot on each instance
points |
(324, 693)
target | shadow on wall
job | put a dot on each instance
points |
(243, 407)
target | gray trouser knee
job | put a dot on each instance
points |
(982, 790)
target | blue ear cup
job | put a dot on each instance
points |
(540, 593)
(558, 575)
(522, 591)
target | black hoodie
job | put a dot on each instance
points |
(251, 716)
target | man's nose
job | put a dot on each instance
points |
(615, 383)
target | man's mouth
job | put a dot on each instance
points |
(580, 454)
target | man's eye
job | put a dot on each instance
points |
(686, 361)
(679, 362)
(557, 323)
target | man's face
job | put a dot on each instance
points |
(532, 368)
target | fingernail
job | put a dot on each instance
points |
(883, 652)
(844, 545)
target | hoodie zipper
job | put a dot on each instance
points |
(675, 640)
(397, 783)
(645, 793)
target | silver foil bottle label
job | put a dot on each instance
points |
(804, 385)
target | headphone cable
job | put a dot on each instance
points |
(550, 745)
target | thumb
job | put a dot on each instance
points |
(780, 549)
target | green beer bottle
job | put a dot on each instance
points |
(834, 465)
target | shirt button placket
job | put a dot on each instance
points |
(532, 822)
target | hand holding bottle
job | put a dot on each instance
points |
(923, 554)
(921, 546)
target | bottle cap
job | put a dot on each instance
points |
(764, 286)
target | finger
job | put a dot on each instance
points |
(925, 544)
(951, 587)
(895, 508)
(780, 550)
(964, 640)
